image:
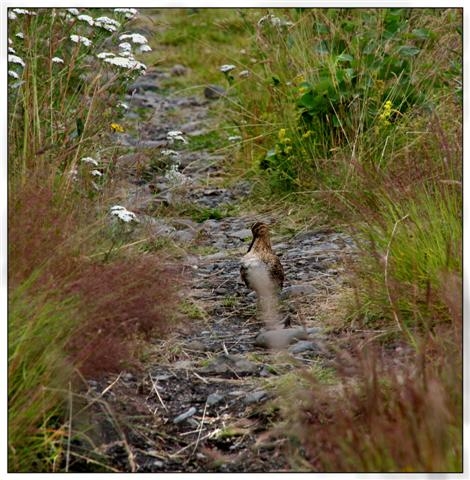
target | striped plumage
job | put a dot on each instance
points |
(260, 267)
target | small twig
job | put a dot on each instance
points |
(69, 439)
(200, 429)
(225, 348)
(155, 387)
(111, 385)
(200, 378)
(210, 434)
(387, 287)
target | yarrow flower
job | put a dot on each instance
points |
(226, 68)
(20, 35)
(15, 59)
(170, 153)
(234, 138)
(275, 21)
(107, 23)
(144, 48)
(134, 38)
(73, 11)
(125, 46)
(128, 12)
(96, 173)
(57, 60)
(244, 73)
(12, 15)
(124, 62)
(13, 74)
(89, 160)
(123, 214)
(22, 11)
(105, 55)
(123, 105)
(79, 39)
(175, 135)
(176, 178)
(86, 18)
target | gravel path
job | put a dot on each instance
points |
(201, 404)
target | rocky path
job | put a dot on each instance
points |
(206, 399)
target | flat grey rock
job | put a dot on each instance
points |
(280, 338)
(184, 416)
(303, 346)
(255, 397)
(212, 92)
(214, 398)
(234, 364)
(297, 290)
(241, 234)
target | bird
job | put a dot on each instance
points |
(262, 271)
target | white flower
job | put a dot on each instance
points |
(144, 48)
(10, 41)
(134, 37)
(176, 178)
(13, 74)
(73, 11)
(105, 55)
(15, 59)
(226, 68)
(169, 153)
(73, 173)
(123, 214)
(22, 11)
(275, 21)
(89, 160)
(123, 62)
(20, 35)
(96, 173)
(12, 15)
(175, 135)
(57, 60)
(128, 12)
(11, 50)
(126, 46)
(86, 18)
(80, 39)
(107, 23)
(235, 138)
(244, 73)
(123, 105)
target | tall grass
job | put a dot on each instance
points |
(73, 311)
(363, 107)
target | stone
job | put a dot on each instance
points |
(303, 346)
(178, 70)
(214, 398)
(296, 290)
(184, 416)
(255, 397)
(235, 364)
(213, 92)
(241, 234)
(280, 338)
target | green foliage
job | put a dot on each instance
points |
(38, 329)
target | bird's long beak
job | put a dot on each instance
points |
(251, 244)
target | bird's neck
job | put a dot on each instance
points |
(261, 244)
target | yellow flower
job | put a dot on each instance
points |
(386, 112)
(116, 127)
(307, 134)
(281, 134)
(287, 149)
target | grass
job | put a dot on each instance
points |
(361, 135)
(73, 311)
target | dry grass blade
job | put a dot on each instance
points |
(155, 388)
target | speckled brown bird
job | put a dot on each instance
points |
(260, 267)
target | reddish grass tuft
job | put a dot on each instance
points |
(386, 415)
(122, 301)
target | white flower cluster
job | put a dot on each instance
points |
(274, 21)
(127, 62)
(80, 39)
(127, 12)
(107, 23)
(175, 135)
(227, 68)
(176, 178)
(123, 214)
(13, 13)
